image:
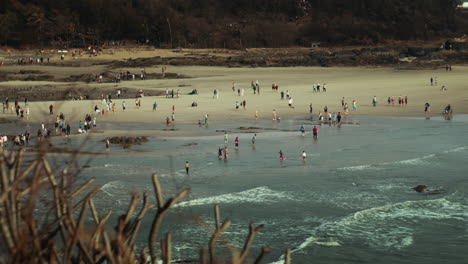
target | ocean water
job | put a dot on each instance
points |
(350, 202)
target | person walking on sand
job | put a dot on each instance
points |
(155, 105)
(187, 167)
(310, 108)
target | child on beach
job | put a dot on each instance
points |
(302, 130)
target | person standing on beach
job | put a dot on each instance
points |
(432, 81)
(282, 95)
(51, 109)
(173, 108)
(427, 107)
(273, 115)
(310, 108)
(167, 93)
(302, 128)
(304, 155)
(123, 106)
(225, 138)
(206, 119)
(233, 86)
(281, 155)
(187, 167)
(243, 104)
(236, 142)
(256, 115)
(374, 101)
(253, 139)
(155, 105)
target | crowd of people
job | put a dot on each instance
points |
(109, 106)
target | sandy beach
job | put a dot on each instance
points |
(353, 83)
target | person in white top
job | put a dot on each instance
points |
(304, 155)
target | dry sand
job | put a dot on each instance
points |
(358, 83)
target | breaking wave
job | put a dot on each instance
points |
(261, 194)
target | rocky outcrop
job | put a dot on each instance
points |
(375, 56)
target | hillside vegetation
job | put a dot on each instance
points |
(227, 24)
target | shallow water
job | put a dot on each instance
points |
(349, 202)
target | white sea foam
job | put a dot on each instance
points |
(454, 150)
(112, 187)
(261, 194)
(111, 165)
(390, 226)
(358, 168)
(415, 161)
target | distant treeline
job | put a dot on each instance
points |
(226, 23)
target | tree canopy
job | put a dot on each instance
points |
(226, 24)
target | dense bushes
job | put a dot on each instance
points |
(222, 23)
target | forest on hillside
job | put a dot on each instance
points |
(226, 24)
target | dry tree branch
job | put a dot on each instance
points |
(162, 209)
